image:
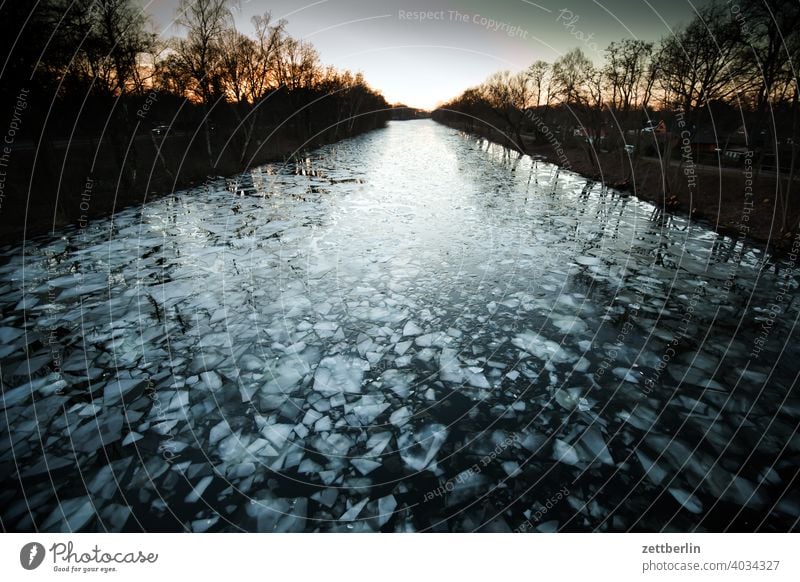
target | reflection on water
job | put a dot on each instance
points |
(411, 330)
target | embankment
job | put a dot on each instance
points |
(730, 200)
(52, 183)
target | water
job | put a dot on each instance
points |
(412, 330)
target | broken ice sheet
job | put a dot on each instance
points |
(686, 499)
(198, 489)
(411, 328)
(419, 449)
(541, 347)
(337, 374)
(377, 442)
(594, 445)
(572, 399)
(565, 453)
(70, 515)
(386, 506)
(365, 466)
(398, 382)
(325, 344)
(400, 416)
(278, 515)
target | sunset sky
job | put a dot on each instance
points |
(425, 62)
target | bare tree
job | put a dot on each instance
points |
(262, 66)
(627, 65)
(570, 75)
(235, 50)
(539, 77)
(772, 43)
(579, 87)
(772, 35)
(509, 95)
(298, 70)
(200, 52)
(74, 44)
(205, 21)
(297, 64)
(121, 31)
(702, 62)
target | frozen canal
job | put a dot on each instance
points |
(407, 331)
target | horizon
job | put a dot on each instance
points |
(404, 55)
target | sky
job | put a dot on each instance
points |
(426, 59)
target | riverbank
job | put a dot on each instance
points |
(55, 184)
(720, 197)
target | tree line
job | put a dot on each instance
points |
(728, 72)
(96, 72)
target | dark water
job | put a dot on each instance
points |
(408, 331)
